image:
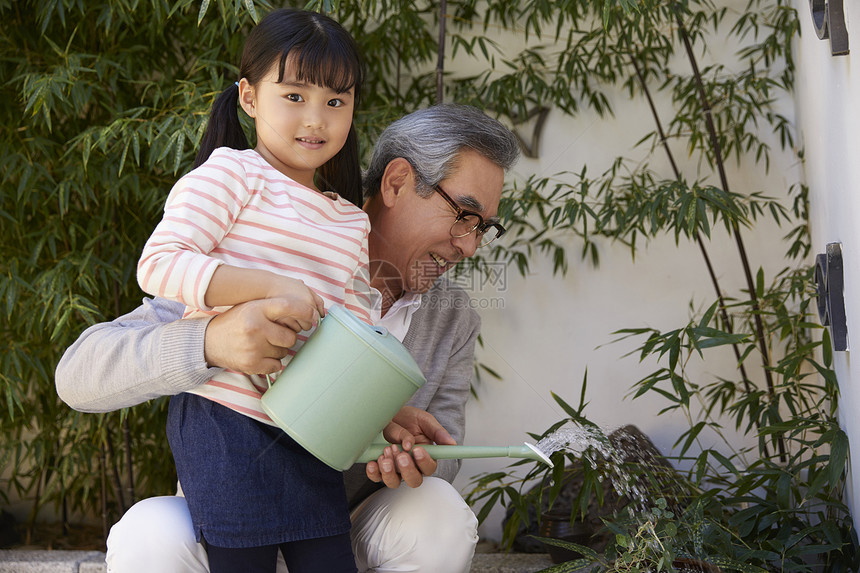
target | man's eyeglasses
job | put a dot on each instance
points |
(468, 222)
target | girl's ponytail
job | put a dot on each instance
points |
(342, 173)
(224, 129)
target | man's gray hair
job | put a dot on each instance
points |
(431, 139)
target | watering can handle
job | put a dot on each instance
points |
(380, 330)
(437, 452)
(442, 452)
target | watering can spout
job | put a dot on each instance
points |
(441, 452)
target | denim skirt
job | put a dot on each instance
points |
(249, 484)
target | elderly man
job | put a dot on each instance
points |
(432, 192)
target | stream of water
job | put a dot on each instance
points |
(610, 453)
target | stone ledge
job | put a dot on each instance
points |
(40, 561)
(510, 562)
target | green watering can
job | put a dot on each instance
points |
(342, 388)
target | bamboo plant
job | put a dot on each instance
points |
(781, 500)
(110, 100)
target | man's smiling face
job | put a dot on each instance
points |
(413, 235)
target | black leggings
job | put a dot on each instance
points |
(321, 555)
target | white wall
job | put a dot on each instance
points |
(549, 329)
(828, 93)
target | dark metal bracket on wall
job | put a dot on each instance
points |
(829, 284)
(828, 17)
(535, 118)
(530, 148)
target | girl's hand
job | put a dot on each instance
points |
(309, 306)
(231, 285)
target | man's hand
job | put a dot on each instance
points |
(252, 337)
(410, 428)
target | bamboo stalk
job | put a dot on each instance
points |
(31, 520)
(698, 238)
(103, 474)
(117, 485)
(126, 434)
(718, 160)
(440, 62)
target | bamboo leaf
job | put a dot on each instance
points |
(838, 457)
(204, 6)
(252, 10)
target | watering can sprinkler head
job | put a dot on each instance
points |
(538, 455)
(441, 452)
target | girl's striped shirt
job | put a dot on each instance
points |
(237, 209)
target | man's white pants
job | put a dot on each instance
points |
(429, 528)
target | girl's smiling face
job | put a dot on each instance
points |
(300, 125)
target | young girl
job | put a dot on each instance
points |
(281, 220)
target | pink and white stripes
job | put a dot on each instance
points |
(237, 209)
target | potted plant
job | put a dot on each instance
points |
(764, 517)
(654, 540)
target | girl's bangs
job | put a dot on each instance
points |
(324, 65)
